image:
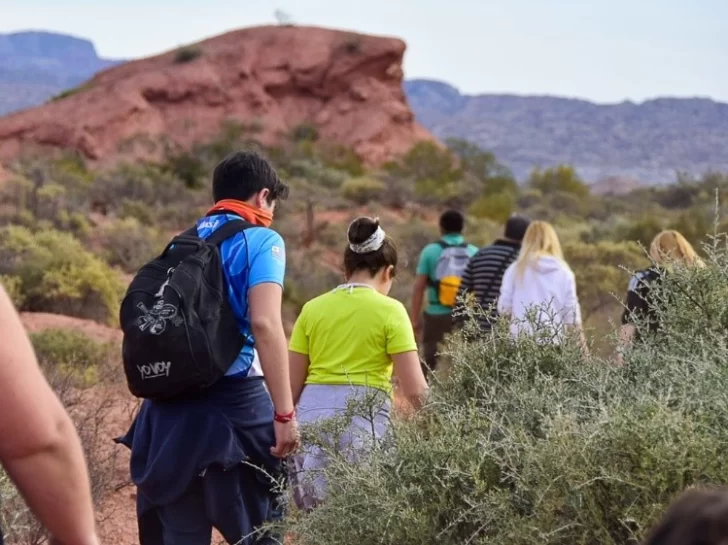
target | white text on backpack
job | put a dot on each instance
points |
(155, 370)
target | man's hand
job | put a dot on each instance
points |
(287, 439)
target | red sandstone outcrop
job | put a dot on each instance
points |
(348, 85)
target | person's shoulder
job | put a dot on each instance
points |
(473, 249)
(263, 238)
(432, 247)
(320, 303)
(393, 307)
(643, 278)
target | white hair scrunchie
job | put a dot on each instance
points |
(372, 244)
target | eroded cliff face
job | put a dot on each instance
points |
(347, 85)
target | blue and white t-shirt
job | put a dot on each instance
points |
(251, 257)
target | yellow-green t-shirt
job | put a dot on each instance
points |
(349, 336)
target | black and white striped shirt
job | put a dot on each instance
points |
(484, 274)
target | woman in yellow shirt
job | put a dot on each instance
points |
(345, 346)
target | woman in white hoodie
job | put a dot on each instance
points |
(539, 289)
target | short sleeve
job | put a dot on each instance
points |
(424, 265)
(299, 336)
(400, 336)
(267, 254)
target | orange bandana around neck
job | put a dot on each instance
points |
(252, 214)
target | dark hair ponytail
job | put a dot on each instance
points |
(360, 231)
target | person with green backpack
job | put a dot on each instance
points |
(439, 273)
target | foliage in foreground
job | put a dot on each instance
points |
(526, 444)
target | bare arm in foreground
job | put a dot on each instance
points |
(410, 378)
(39, 447)
(270, 341)
(299, 373)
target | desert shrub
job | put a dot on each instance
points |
(561, 178)
(129, 244)
(525, 443)
(137, 210)
(602, 272)
(341, 158)
(56, 274)
(309, 275)
(52, 191)
(187, 54)
(150, 184)
(316, 173)
(70, 92)
(72, 353)
(14, 288)
(362, 190)
(305, 132)
(497, 207)
(352, 43)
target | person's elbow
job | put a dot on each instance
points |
(265, 324)
(55, 435)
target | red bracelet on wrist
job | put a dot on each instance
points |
(284, 418)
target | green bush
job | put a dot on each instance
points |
(72, 353)
(14, 288)
(187, 54)
(305, 132)
(363, 190)
(56, 274)
(562, 178)
(497, 207)
(525, 443)
(129, 244)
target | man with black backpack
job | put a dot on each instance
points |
(439, 272)
(203, 337)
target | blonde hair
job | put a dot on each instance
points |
(540, 240)
(670, 247)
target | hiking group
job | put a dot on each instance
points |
(224, 391)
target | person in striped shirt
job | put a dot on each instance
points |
(481, 281)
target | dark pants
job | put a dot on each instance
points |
(190, 519)
(435, 327)
(208, 503)
(228, 431)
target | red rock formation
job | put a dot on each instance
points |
(348, 85)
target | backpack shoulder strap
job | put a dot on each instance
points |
(227, 230)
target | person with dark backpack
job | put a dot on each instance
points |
(439, 273)
(204, 346)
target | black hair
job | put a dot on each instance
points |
(452, 221)
(697, 517)
(243, 174)
(515, 228)
(359, 231)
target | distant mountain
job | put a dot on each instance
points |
(647, 141)
(36, 65)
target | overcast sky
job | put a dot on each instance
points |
(602, 50)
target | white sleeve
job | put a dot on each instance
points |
(505, 300)
(571, 308)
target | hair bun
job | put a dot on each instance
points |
(361, 229)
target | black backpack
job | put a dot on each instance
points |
(180, 333)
